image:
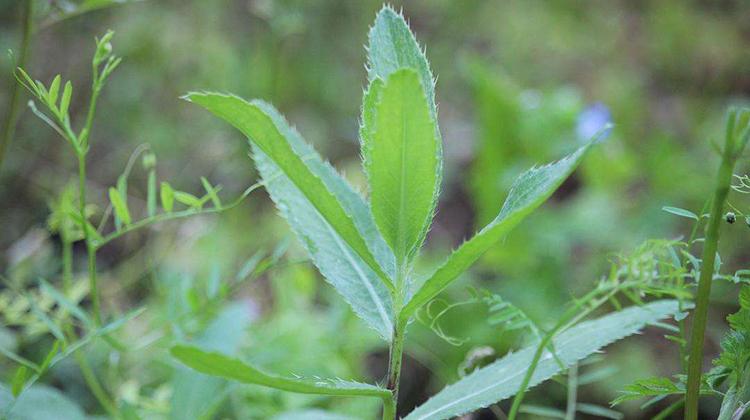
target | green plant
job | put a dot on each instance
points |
(691, 384)
(367, 249)
(71, 218)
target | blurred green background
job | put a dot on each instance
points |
(519, 83)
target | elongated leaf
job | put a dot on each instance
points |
(217, 364)
(198, 396)
(260, 128)
(65, 100)
(501, 379)
(392, 46)
(167, 197)
(339, 264)
(121, 209)
(54, 90)
(528, 192)
(680, 212)
(402, 161)
(188, 199)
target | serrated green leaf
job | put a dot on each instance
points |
(680, 212)
(118, 204)
(392, 46)
(403, 162)
(217, 364)
(339, 264)
(259, 127)
(502, 379)
(167, 197)
(528, 192)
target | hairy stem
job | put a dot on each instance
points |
(396, 351)
(9, 127)
(700, 315)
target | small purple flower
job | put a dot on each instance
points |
(592, 119)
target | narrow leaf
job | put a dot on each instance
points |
(54, 90)
(65, 100)
(403, 162)
(167, 197)
(65, 303)
(501, 379)
(259, 127)
(19, 380)
(121, 209)
(217, 364)
(528, 192)
(188, 199)
(339, 264)
(680, 212)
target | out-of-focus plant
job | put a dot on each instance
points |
(72, 219)
(691, 384)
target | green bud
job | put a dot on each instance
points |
(149, 161)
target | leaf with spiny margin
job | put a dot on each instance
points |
(262, 131)
(217, 364)
(341, 266)
(402, 162)
(527, 193)
(392, 46)
(502, 379)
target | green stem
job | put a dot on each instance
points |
(700, 315)
(569, 317)
(664, 414)
(96, 388)
(9, 128)
(67, 263)
(396, 351)
(90, 244)
(570, 410)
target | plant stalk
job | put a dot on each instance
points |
(90, 245)
(9, 127)
(700, 315)
(396, 351)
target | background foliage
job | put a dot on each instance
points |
(519, 83)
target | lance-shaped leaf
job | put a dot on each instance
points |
(217, 364)
(392, 46)
(260, 128)
(339, 264)
(528, 192)
(401, 149)
(502, 378)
